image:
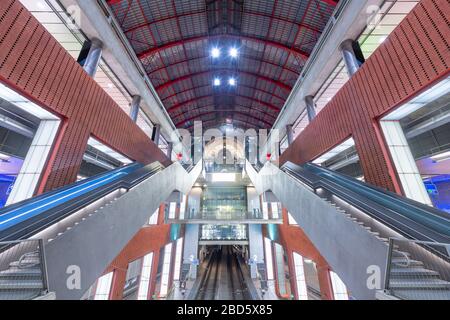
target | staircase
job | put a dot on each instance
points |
(23, 279)
(23, 271)
(409, 279)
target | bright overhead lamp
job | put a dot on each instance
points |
(232, 82)
(441, 156)
(215, 52)
(217, 82)
(4, 157)
(234, 52)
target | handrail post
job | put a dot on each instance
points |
(45, 287)
(388, 265)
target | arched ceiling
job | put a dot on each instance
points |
(173, 39)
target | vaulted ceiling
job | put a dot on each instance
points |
(174, 38)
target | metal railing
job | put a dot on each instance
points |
(23, 271)
(413, 272)
(224, 215)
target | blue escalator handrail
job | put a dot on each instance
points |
(33, 207)
(427, 216)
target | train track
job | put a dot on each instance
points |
(223, 277)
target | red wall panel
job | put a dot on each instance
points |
(148, 239)
(414, 56)
(34, 63)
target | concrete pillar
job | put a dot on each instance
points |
(93, 58)
(255, 234)
(310, 107)
(350, 58)
(190, 250)
(290, 134)
(156, 133)
(135, 106)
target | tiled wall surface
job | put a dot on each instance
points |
(416, 55)
(33, 63)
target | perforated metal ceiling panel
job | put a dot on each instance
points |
(174, 38)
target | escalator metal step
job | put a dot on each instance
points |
(20, 284)
(413, 272)
(420, 284)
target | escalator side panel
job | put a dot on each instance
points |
(349, 249)
(92, 245)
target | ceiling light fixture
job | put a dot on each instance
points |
(232, 82)
(441, 156)
(234, 52)
(215, 53)
(217, 82)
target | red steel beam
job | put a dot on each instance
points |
(216, 120)
(179, 124)
(245, 56)
(218, 70)
(210, 85)
(250, 12)
(196, 99)
(226, 110)
(169, 45)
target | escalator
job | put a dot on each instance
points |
(83, 227)
(354, 225)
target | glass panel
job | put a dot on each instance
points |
(172, 210)
(300, 277)
(132, 279)
(281, 272)
(269, 258)
(339, 288)
(103, 287)
(275, 210)
(154, 218)
(166, 270)
(265, 207)
(224, 203)
(224, 232)
(183, 206)
(178, 257)
(144, 285)
(292, 221)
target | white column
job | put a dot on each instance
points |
(404, 162)
(34, 162)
